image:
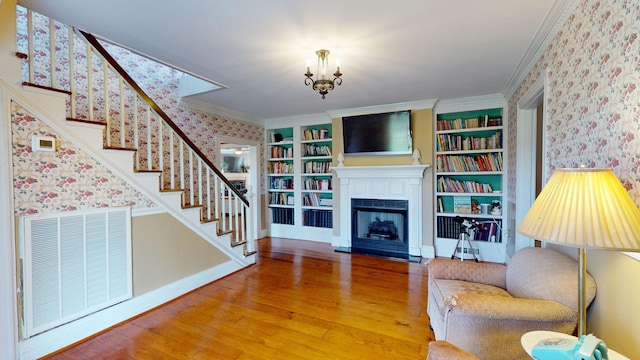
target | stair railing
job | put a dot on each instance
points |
(63, 59)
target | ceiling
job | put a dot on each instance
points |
(390, 51)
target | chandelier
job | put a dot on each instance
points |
(322, 84)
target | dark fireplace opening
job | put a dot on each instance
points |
(380, 227)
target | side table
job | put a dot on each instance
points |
(530, 339)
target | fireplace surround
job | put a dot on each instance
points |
(392, 184)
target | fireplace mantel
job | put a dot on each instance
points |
(401, 182)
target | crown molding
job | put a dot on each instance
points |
(553, 22)
(470, 103)
(219, 110)
(410, 105)
(306, 119)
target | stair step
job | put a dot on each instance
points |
(84, 121)
(118, 148)
(28, 84)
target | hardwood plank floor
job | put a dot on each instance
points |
(301, 300)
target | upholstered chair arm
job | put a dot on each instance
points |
(443, 350)
(482, 272)
(494, 307)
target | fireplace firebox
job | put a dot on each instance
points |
(380, 227)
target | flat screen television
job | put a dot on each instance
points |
(378, 134)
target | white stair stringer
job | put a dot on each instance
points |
(89, 138)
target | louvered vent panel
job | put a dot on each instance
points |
(76, 263)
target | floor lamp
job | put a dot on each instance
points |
(587, 209)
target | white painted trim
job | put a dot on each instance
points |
(410, 105)
(301, 120)
(526, 132)
(254, 176)
(428, 251)
(147, 212)
(401, 182)
(65, 335)
(472, 103)
(8, 306)
(551, 25)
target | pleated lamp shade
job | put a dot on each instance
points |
(584, 208)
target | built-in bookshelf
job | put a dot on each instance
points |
(300, 180)
(280, 172)
(469, 181)
(316, 178)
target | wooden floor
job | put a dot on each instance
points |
(301, 300)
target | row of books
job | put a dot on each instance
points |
(318, 218)
(471, 123)
(467, 163)
(316, 150)
(315, 134)
(280, 184)
(282, 216)
(446, 184)
(279, 152)
(447, 142)
(280, 168)
(316, 184)
(280, 199)
(316, 167)
(312, 199)
(450, 228)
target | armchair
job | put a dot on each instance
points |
(484, 308)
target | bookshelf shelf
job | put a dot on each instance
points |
(469, 178)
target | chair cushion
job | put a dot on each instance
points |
(446, 291)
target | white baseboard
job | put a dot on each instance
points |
(65, 335)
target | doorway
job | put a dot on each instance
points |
(238, 160)
(530, 169)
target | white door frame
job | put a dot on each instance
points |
(254, 171)
(526, 133)
(8, 302)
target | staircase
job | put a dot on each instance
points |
(107, 111)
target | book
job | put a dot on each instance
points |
(462, 204)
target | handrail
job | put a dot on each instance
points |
(152, 104)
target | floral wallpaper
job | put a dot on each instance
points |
(593, 108)
(65, 180)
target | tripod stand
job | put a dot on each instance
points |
(463, 238)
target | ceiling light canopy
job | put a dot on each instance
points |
(322, 84)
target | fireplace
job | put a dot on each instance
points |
(380, 227)
(384, 195)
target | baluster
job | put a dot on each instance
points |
(182, 185)
(123, 140)
(191, 179)
(72, 72)
(136, 135)
(90, 81)
(161, 148)
(148, 133)
(209, 200)
(172, 164)
(105, 77)
(52, 51)
(200, 195)
(30, 44)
